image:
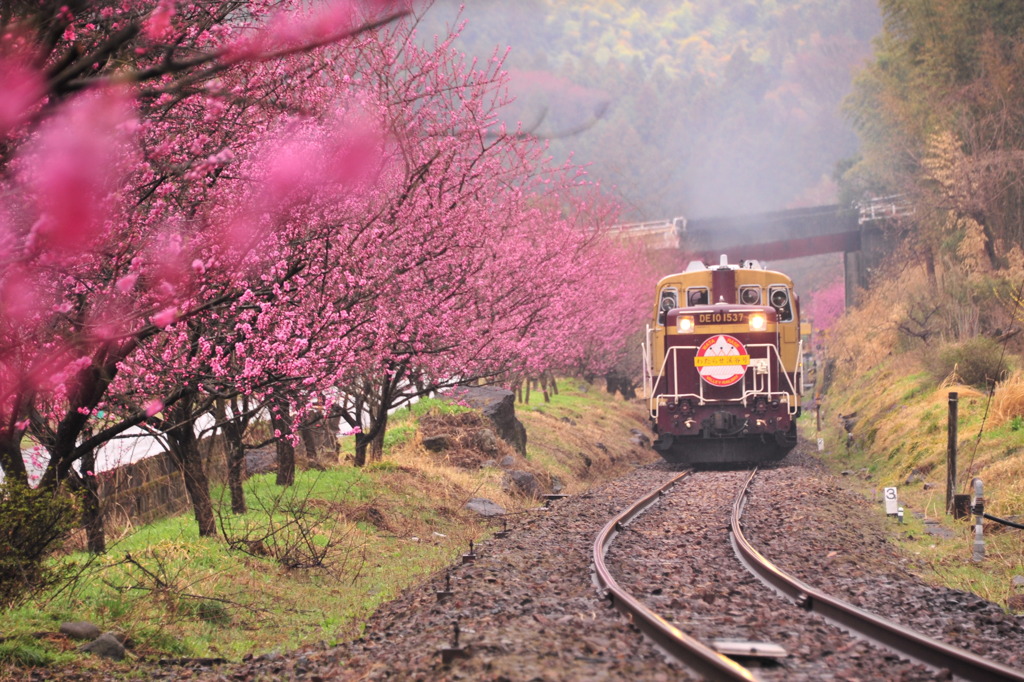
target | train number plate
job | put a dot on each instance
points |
(720, 318)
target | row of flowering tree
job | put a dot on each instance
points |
(260, 206)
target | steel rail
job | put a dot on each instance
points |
(676, 643)
(885, 633)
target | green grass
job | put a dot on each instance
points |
(25, 652)
(891, 442)
(183, 595)
(387, 525)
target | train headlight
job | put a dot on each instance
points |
(757, 322)
(684, 325)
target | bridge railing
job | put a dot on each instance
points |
(882, 208)
(677, 224)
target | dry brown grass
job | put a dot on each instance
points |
(1008, 399)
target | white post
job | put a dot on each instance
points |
(891, 501)
(978, 507)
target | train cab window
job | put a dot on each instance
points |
(779, 298)
(697, 296)
(669, 300)
(750, 295)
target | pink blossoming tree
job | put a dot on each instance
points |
(272, 204)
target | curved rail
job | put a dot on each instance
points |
(885, 633)
(700, 657)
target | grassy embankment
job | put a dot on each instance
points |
(897, 385)
(373, 532)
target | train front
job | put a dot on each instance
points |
(728, 386)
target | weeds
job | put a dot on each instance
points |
(295, 530)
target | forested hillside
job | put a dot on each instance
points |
(694, 107)
(938, 111)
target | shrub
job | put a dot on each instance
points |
(976, 362)
(33, 523)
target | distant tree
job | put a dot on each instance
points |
(933, 110)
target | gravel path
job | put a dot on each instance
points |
(528, 609)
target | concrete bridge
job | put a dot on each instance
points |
(780, 235)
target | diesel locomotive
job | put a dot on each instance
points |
(723, 364)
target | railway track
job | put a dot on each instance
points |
(941, 658)
(674, 641)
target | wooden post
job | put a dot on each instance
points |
(951, 452)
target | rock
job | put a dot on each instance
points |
(557, 485)
(928, 486)
(81, 629)
(488, 464)
(913, 478)
(260, 461)
(498, 405)
(1018, 581)
(522, 483)
(487, 441)
(507, 462)
(567, 420)
(639, 438)
(485, 507)
(437, 443)
(1015, 602)
(106, 645)
(601, 446)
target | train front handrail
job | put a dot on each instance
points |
(768, 392)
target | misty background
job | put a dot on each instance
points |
(682, 107)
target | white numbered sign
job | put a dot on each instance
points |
(891, 501)
(821, 445)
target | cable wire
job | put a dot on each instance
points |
(1003, 521)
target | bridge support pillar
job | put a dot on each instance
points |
(860, 265)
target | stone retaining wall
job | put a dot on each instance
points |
(154, 488)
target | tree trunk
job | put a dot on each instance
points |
(11, 461)
(377, 443)
(544, 386)
(361, 444)
(308, 435)
(233, 429)
(92, 514)
(929, 266)
(280, 420)
(185, 449)
(554, 384)
(332, 448)
(628, 388)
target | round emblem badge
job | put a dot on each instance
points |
(721, 360)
